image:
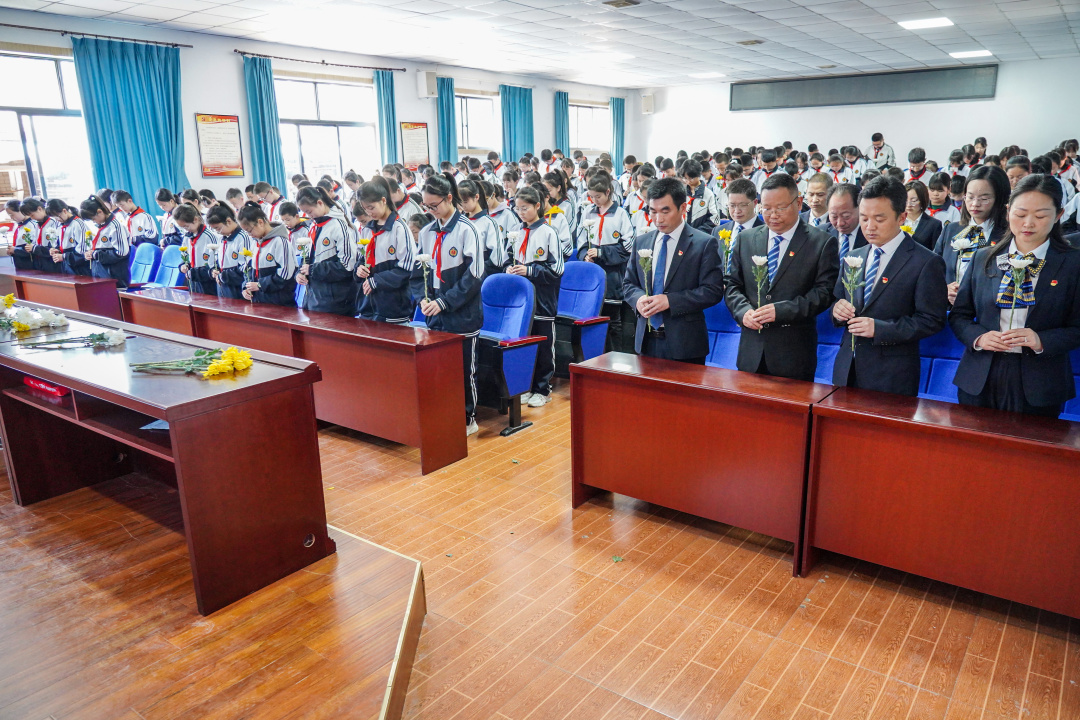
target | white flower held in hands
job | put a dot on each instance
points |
(645, 253)
(760, 260)
(1019, 263)
(853, 261)
(424, 258)
(962, 244)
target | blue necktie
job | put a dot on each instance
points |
(774, 258)
(871, 276)
(658, 279)
(845, 246)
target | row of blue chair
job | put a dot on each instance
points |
(939, 354)
(153, 267)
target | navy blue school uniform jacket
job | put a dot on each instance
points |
(909, 302)
(25, 234)
(540, 250)
(614, 238)
(110, 248)
(74, 244)
(274, 268)
(1047, 376)
(234, 267)
(391, 257)
(48, 239)
(455, 274)
(202, 261)
(332, 260)
(496, 255)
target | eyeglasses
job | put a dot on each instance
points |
(779, 210)
(979, 199)
(741, 206)
(433, 208)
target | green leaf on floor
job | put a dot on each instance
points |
(515, 461)
(616, 558)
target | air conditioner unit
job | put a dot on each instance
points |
(426, 86)
(648, 104)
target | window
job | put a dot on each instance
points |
(43, 146)
(476, 123)
(327, 128)
(590, 127)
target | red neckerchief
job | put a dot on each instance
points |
(495, 170)
(403, 204)
(313, 233)
(437, 252)
(932, 211)
(641, 203)
(973, 165)
(273, 206)
(369, 259)
(525, 244)
(916, 177)
(134, 212)
(410, 188)
(97, 237)
(648, 218)
(851, 164)
(258, 252)
(876, 151)
(768, 173)
(835, 175)
(41, 229)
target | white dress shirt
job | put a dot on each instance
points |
(785, 240)
(1019, 316)
(887, 251)
(817, 221)
(673, 241)
(914, 224)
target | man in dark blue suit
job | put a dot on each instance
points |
(902, 298)
(843, 199)
(685, 278)
(779, 316)
(817, 201)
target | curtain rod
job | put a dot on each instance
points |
(317, 62)
(93, 35)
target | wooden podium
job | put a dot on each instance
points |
(241, 450)
(96, 296)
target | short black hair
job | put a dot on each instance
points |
(667, 187)
(743, 187)
(886, 187)
(768, 156)
(843, 189)
(778, 181)
(877, 137)
(690, 169)
(917, 155)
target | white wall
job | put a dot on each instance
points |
(697, 117)
(212, 76)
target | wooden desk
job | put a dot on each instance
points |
(721, 444)
(982, 499)
(242, 451)
(400, 383)
(95, 296)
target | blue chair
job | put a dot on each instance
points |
(144, 263)
(924, 373)
(1072, 408)
(580, 329)
(723, 337)
(827, 333)
(826, 359)
(940, 384)
(168, 272)
(507, 351)
(725, 351)
(942, 344)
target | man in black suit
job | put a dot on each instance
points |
(817, 201)
(779, 323)
(685, 278)
(843, 199)
(902, 297)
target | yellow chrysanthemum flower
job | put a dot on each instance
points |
(9, 300)
(183, 248)
(19, 327)
(364, 240)
(907, 228)
(246, 253)
(724, 234)
(217, 368)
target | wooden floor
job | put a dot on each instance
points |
(529, 613)
(98, 620)
(531, 616)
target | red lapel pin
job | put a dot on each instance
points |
(791, 254)
(1053, 283)
(884, 280)
(680, 252)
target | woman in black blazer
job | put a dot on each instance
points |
(984, 218)
(925, 229)
(1018, 358)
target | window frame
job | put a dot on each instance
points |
(336, 124)
(38, 187)
(589, 106)
(466, 149)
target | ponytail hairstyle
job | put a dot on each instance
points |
(191, 197)
(309, 196)
(395, 173)
(105, 196)
(352, 177)
(533, 195)
(185, 213)
(1049, 186)
(443, 186)
(495, 190)
(558, 181)
(327, 185)
(249, 213)
(88, 209)
(475, 188)
(166, 195)
(207, 196)
(220, 214)
(376, 189)
(32, 205)
(54, 207)
(600, 183)
(999, 182)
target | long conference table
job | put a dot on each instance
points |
(399, 383)
(981, 499)
(96, 296)
(242, 450)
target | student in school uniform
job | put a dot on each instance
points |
(171, 234)
(839, 172)
(231, 262)
(609, 246)
(555, 182)
(702, 210)
(272, 279)
(629, 163)
(203, 244)
(816, 198)
(474, 204)
(270, 199)
(901, 298)
(453, 279)
(854, 162)
(556, 218)
(538, 256)
(880, 154)
(330, 261)
(768, 168)
(843, 203)
(925, 229)
(70, 248)
(22, 235)
(1018, 359)
(634, 201)
(387, 261)
(643, 220)
(957, 164)
(501, 212)
(941, 206)
(403, 204)
(917, 170)
(497, 167)
(108, 251)
(39, 244)
(803, 265)
(295, 222)
(140, 225)
(983, 222)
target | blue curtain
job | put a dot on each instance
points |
(264, 146)
(384, 93)
(618, 130)
(131, 104)
(562, 121)
(447, 120)
(517, 121)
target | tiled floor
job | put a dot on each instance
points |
(532, 613)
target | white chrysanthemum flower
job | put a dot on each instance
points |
(962, 244)
(1018, 263)
(760, 260)
(646, 253)
(423, 258)
(853, 261)
(115, 337)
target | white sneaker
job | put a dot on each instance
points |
(471, 429)
(538, 400)
(526, 397)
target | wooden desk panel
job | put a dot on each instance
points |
(982, 499)
(162, 308)
(96, 296)
(720, 444)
